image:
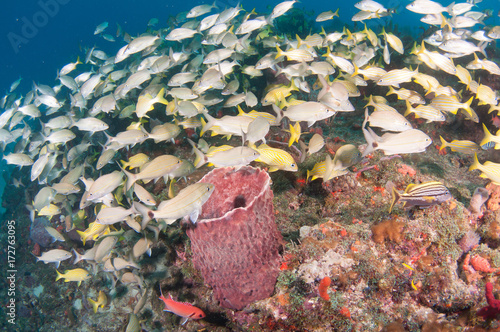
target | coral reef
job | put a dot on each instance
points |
(477, 201)
(493, 309)
(38, 234)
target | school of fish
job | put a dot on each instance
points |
(87, 139)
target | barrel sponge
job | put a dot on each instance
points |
(235, 242)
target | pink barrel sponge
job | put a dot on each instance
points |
(235, 242)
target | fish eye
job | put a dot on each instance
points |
(293, 165)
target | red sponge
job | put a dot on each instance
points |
(235, 242)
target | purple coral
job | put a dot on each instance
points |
(235, 242)
(493, 308)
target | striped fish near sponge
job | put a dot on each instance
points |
(422, 195)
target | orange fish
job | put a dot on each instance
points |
(183, 309)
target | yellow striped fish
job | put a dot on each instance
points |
(397, 76)
(451, 104)
(379, 105)
(490, 170)
(276, 159)
(404, 94)
(298, 54)
(463, 146)
(393, 41)
(426, 112)
(369, 72)
(463, 75)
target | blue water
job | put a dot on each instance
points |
(63, 35)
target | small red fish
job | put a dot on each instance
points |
(183, 309)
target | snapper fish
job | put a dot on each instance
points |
(426, 7)
(280, 9)
(159, 167)
(328, 15)
(388, 120)
(101, 301)
(309, 111)
(229, 156)
(101, 27)
(77, 275)
(423, 195)
(201, 10)
(183, 309)
(54, 256)
(408, 141)
(188, 202)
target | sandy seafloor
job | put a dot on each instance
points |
(340, 229)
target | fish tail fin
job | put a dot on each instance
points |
(200, 158)
(293, 86)
(240, 111)
(94, 304)
(131, 178)
(487, 136)
(303, 150)
(124, 164)
(370, 140)
(280, 52)
(356, 69)
(467, 104)
(445, 23)
(323, 30)
(325, 85)
(444, 144)
(409, 109)
(278, 111)
(108, 137)
(336, 13)
(391, 91)
(171, 193)
(209, 124)
(83, 236)
(475, 164)
(370, 101)
(78, 257)
(395, 198)
(299, 41)
(59, 275)
(144, 211)
(159, 97)
(482, 46)
(78, 62)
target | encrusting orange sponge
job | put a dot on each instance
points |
(323, 288)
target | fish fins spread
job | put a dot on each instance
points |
(395, 198)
